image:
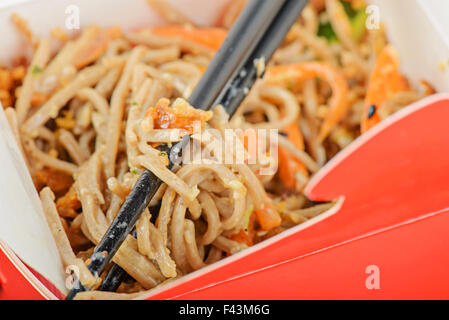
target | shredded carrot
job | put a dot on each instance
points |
(38, 98)
(211, 38)
(66, 121)
(428, 88)
(6, 80)
(68, 204)
(385, 80)
(249, 138)
(5, 98)
(59, 35)
(22, 25)
(180, 115)
(289, 74)
(246, 236)
(10, 80)
(289, 166)
(18, 73)
(56, 180)
(268, 217)
(318, 4)
(242, 237)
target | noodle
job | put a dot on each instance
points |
(39, 61)
(11, 116)
(43, 158)
(50, 109)
(117, 111)
(67, 255)
(68, 141)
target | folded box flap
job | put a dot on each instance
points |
(23, 226)
(408, 261)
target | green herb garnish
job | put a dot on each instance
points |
(36, 70)
(357, 19)
(325, 30)
(358, 25)
(349, 9)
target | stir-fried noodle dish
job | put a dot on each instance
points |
(90, 116)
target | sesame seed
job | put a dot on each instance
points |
(371, 111)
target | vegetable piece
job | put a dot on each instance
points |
(246, 235)
(68, 204)
(325, 30)
(180, 115)
(247, 218)
(36, 70)
(338, 104)
(349, 10)
(289, 165)
(23, 26)
(385, 80)
(211, 38)
(242, 237)
(357, 19)
(57, 181)
(358, 25)
(318, 4)
(38, 98)
(268, 217)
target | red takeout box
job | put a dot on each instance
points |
(385, 239)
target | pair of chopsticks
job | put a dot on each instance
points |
(259, 30)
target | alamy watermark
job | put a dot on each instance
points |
(372, 282)
(373, 17)
(257, 147)
(72, 20)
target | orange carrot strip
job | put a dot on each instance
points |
(180, 115)
(289, 166)
(385, 80)
(268, 217)
(211, 38)
(338, 105)
(246, 236)
(38, 98)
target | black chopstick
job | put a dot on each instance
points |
(116, 274)
(125, 221)
(241, 40)
(233, 93)
(237, 89)
(113, 279)
(229, 92)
